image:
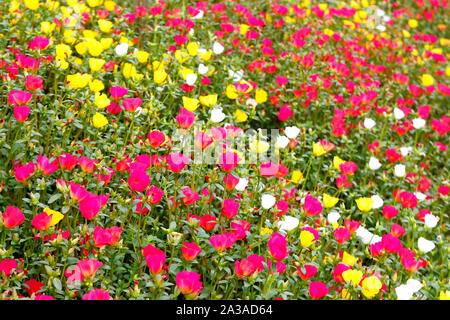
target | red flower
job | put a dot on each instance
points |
(318, 290)
(7, 266)
(68, 161)
(310, 271)
(42, 221)
(337, 272)
(390, 243)
(131, 104)
(352, 225)
(154, 194)
(190, 196)
(208, 222)
(190, 251)
(377, 249)
(230, 181)
(86, 164)
(33, 286)
(33, 83)
(12, 217)
(397, 230)
(156, 138)
(202, 140)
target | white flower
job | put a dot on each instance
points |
(138, 111)
(282, 141)
(121, 49)
(405, 150)
(380, 13)
(374, 163)
(237, 76)
(333, 216)
(386, 18)
(218, 48)
(217, 115)
(201, 51)
(377, 202)
(425, 245)
(251, 103)
(431, 220)
(398, 113)
(418, 123)
(242, 184)
(202, 69)
(403, 292)
(369, 123)
(399, 170)
(414, 285)
(375, 239)
(420, 196)
(267, 201)
(291, 132)
(365, 235)
(289, 223)
(381, 28)
(191, 78)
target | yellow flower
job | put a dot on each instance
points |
(243, 29)
(142, 56)
(32, 4)
(231, 92)
(328, 32)
(96, 64)
(427, 80)
(205, 56)
(181, 56)
(337, 162)
(95, 48)
(192, 48)
(94, 3)
(81, 47)
(348, 259)
(15, 5)
(47, 27)
(240, 115)
(364, 204)
(99, 120)
(306, 238)
(329, 201)
(346, 294)
(63, 51)
(106, 43)
(296, 176)
(56, 216)
(258, 146)
(413, 23)
(101, 100)
(69, 36)
(110, 5)
(105, 25)
(444, 295)
(96, 85)
(352, 276)
(159, 76)
(318, 149)
(128, 70)
(78, 80)
(371, 286)
(260, 96)
(209, 100)
(265, 231)
(190, 104)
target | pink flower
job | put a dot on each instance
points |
(285, 113)
(190, 196)
(24, 172)
(97, 294)
(7, 266)
(312, 206)
(230, 181)
(19, 98)
(202, 140)
(138, 180)
(45, 166)
(90, 206)
(390, 243)
(106, 237)
(389, 212)
(342, 235)
(118, 92)
(190, 251)
(154, 194)
(228, 161)
(33, 83)
(244, 268)
(185, 118)
(222, 241)
(318, 290)
(39, 43)
(131, 104)
(12, 217)
(189, 283)
(177, 161)
(310, 271)
(88, 267)
(156, 138)
(21, 113)
(86, 164)
(278, 246)
(230, 208)
(155, 258)
(68, 161)
(42, 221)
